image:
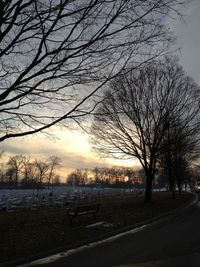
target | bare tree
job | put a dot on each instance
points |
(26, 168)
(54, 55)
(31, 170)
(138, 109)
(84, 174)
(10, 177)
(180, 147)
(97, 175)
(42, 169)
(53, 162)
(16, 164)
(74, 178)
(195, 174)
(56, 180)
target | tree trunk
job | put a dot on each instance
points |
(171, 179)
(16, 178)
(148, 189)
(172, 186)
(179, 186)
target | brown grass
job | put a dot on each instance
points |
(27, 232)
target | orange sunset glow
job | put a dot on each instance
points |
(72, 147)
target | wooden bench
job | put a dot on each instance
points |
(82, 209)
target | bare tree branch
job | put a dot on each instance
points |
(139, 109)
(54, 55)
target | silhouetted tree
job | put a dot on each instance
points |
(138, 109)
(180, 147)
(15, 164)
(74, 178)
(55, 55)
(42, 169)
(53, 163)
(56, 180)
(26, 168)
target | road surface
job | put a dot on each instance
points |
(173, 242)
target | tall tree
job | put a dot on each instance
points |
(180, 147)
(26, 168)
(53, 163)
(16, 164)
(54, 55)
(42, 169)
(138, 109)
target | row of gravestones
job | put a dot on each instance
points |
(11, 203)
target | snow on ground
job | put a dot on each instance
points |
(60, 195)
(30, 198)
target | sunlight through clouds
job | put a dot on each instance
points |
(71, 146)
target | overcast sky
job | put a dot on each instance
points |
(74, 148)
(188, 39)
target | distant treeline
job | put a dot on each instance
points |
(26, 172)
(115, 176)
(22, 171)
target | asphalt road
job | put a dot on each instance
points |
(173, 242)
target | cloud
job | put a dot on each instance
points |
(31, 146)
(72, 148)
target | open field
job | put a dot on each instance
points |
(27, 232)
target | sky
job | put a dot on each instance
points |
(188, 39)
(73, 146)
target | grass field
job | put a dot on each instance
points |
(25, 233)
